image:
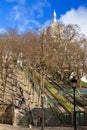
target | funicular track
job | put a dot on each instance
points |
(69, 97)
(58, 106)
(54, 83)
(60, 99)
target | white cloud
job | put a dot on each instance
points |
(32, 25)
(38, 8)
(34, 22)
(2, 30)
(28, 17)
(46, 24)
(78, 17)
(16, 14)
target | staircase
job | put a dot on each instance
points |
(29, 110)
(22, 115)
(21, 118)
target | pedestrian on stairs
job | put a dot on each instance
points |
(30, 126)
(20, 102)
(21, 90)
(23, 99)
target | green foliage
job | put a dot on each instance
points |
(83, 84)
(61, 99)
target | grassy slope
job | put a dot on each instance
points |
(61, 99)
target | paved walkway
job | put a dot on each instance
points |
(9, 127)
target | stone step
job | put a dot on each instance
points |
(20, 117)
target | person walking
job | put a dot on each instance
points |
(30, 126)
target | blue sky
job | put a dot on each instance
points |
(33, 14)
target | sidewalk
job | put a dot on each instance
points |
(9, 127)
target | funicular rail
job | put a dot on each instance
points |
(54, 92)
(69, 97)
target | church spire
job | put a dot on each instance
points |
(54, 17)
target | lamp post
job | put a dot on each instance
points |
(42, 95)
(74, 82)
(42, 77)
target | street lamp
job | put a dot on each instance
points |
(74, 82)
(42, 77)
(42, 94)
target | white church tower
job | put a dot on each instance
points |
(54, 17)
(54, 30)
